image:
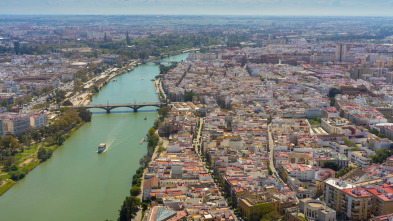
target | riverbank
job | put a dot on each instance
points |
(93, 86)
(159, 90)
(98, 198)
(31, 161)
(131, 208)
(161, 143)
(86, 97)
(170, 54)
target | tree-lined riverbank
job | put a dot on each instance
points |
(77, 183)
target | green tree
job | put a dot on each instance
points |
(188, 96)
(156, 124)
(59, 138)
(59, 96)
(36, 136)
(13, 167)
(17, 175)
(344, 171)
(269, 171)
(381, 155)
(135, 190)
(84, 114)
(262, 211)
(67, 103)
(331, 165)
(348, 143)
(9, 142)
(25, 139)
(163, 111)
(144, 206)
(129, 208)
(151, 132)
(42, 154)
(144, 161)
(152, 141)
(95, 89)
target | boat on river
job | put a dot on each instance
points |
(101, 148)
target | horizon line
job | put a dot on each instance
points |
(218, 15)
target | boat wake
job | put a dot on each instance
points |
(113, 144)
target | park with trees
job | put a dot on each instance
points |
(19, 155)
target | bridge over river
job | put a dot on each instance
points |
(134, 106)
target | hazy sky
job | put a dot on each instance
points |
(202, 7)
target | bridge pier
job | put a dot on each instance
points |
(108, 111)
(135, 110)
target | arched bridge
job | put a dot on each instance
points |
(167, 62)
(135, 106)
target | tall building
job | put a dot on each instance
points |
(341, 52)
(360, 201)
(37, 120)
(382, 199)
(15, 124)
(348, 200)
(2, 131)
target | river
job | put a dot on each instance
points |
(79, 184)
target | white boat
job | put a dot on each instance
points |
(101, 148)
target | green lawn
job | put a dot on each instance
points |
(6, 186)
(4, 176)
(314, 122)
(302, 218)
(31, 165)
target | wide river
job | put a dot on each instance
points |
(79, 184)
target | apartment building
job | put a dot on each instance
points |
(360, 158)
(382, 199)
(339, 147)
(300, 171)
(330, 112)
(333, 125)
(15, 124)
(337, 199)
(37, 120)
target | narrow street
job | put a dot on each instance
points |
(271, 154)
(197, 140)
(196, 143)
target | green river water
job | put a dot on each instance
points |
(79, 184)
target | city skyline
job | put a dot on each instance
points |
(203, 7)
